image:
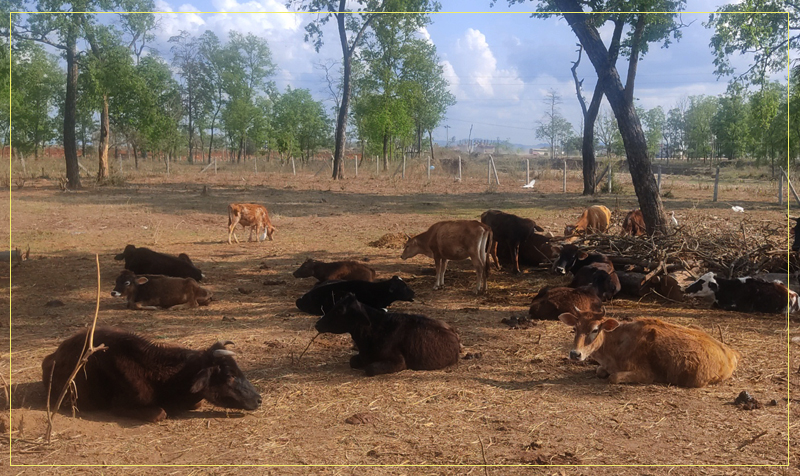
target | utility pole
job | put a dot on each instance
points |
(447, 141)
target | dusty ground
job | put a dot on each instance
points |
(520, 402)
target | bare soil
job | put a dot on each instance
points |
(516, 399)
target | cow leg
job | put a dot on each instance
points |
(250, 237)
(480, 272)
(633, 376)
(601, 372)
(152, 413)
(493, 254)
(358, 362)
(231, 228)
(386, 366)
(440, 264)
(515, 252)
(444, 270)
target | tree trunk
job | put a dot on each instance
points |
(341, 120)
(630, 128)
(385, 151)
(102, 146)
(430, 136)
(70, 145)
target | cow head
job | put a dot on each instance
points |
(796, 232)
(222, 383)
(567, 258)
(125, 253)
(306, 270)
(706, 286)
(399, 290)
(569, 230)
(603, 285)
(590, 329)
(346, 316)
(412, 248)
(126, 283)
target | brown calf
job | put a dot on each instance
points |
(634, 223)
(454, 240)
(341, 270)
(595, 219)
(152, 291)
(253, 215)
(650, 350)
(509, 231)
(551, 302)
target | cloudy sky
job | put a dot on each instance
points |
(499, 63)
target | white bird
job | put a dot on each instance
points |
(530, 185)
(674, 220)
(737, 208)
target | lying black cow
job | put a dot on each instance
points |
(572, 259)
(796, 230)
(745, 294)
(378, 294)
(601, 276)
(389, 342)
(147, 261)
(136, 378)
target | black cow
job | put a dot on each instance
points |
(147, 261)
(150, 291)
(572, 259)
(509, 231)
(378, 294)
(601, 276)
(390, 342)
(335, 271)
(796, 230)
(745, 294)
(139, 379)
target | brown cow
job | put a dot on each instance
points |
(551, 302)
(649, 350)
(253, 215)
(634, 223)
(595, 219)
(341, 270)
(151, 291)
(509, 231)
(454, 240)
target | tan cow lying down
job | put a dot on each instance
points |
(249, 214)
(454, 240)
(649, 350)
(595, 219)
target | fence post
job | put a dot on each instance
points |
(255, 164)
(404, 165)
(294, 172)
(610, 177)
(356, 166)
(489, 171)
(564, 184)
(215, 166)
(459, 168)
(429, 167)
(716, 184)
(780, 188)
(527, 171)
(659, 179)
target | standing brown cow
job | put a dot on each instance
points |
(249, 214)
(595, 219)
(634, 223)
(454, 240)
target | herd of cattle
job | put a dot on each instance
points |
(137, 378)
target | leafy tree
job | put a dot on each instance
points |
(196, 91)
(352, 26)
(675, 128)
(729, 124)
(654, 121)
(764, 106)
(699, 138)
(300, 123)
(553, 127)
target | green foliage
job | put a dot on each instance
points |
(729, 123)
(699, 115)
(654, 122)
(300, 124)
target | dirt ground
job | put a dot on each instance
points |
(517, 401)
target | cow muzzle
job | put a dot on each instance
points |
(116, 293)
(560, 270)
(574, 355)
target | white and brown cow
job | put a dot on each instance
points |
(649, 351)
(249, 215)
(745, 294)
(454, 240)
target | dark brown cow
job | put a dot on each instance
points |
(634, 223)
(139, 379)
(509, 232)
(601, 276)
(151, 291)
(573, 258)
(550, 302)
(649, 350)
(454, 240)
(147, 261)
(253, 215)
(341, 270)
(390, 342)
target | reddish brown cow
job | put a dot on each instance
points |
(151, 291)
(509, 231)
(649, 350)
(595, 219)
(634, 223)
(341, 270)
(551, 302)
(454, 240)
(253, 215)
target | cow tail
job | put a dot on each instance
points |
(487, 251)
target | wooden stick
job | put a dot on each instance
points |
(309, 345)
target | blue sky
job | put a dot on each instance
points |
(499, 65)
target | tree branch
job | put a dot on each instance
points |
(633, 63)
(578, 84)
(41, 39)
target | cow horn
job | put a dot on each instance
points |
(576, 309)
(407, 235)
(226, 343)
(223, 353)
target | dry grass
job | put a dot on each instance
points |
(521, 402)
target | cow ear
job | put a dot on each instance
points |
(609, 325)
(201, 380)
(583, 255)
(141, 280)
(568, 319)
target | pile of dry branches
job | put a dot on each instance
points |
(730, 247)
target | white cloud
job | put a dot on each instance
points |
(475, 61)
